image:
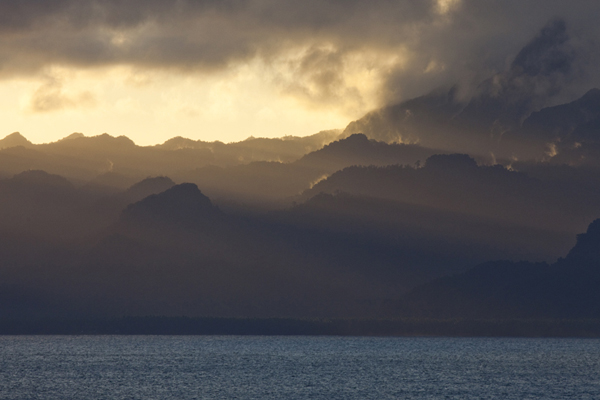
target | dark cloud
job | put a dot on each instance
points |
(539, 73)
(465, 41)
(189, 34)
(482, 39)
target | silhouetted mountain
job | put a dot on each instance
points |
(536, 75)
(182, 204)
(378, 211)
(100, 143)
(490, 119)
(147, 187)
(40, 180)
(571, 131)
(110, 183)
(435, 241)
(13, 140)
(425, 120)
(565, 289)
(274, 181)
(563, 175)
(285, 149)
(357, 149)
(587, 250)
(82, 158)
(48, 207)
(179, 142)
(577, 121)
(257, 182)
(74, 135)
(455, 183)
(176, 254)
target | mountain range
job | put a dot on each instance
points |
(453, 205)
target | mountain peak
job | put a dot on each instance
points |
(74, 135)
(147, 187)
(587, 248)
(40, 178)
(592, 93)
(591, 99)
(15, 135)
(13, 140)
(179, 142)
(121, 140)
(182, 204)
(356, 140)
(546, 53)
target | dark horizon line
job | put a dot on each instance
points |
(281, 326)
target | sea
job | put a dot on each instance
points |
(297, 367)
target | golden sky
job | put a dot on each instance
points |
(229, 69)
(151, 106)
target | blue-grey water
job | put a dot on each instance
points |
(237, 367)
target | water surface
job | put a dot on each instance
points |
(262, 367)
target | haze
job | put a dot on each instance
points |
(390, 160)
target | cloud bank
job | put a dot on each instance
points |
(346, 57)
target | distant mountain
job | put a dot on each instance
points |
(13, 140)
(174, 253)
(257, 182)
(535, 77)
(505, 116)
(49, 208)
(147, 187)
(83, 158)
(39, 180)
(74, 135)
(456, 183)
(428, 241)
(110, 183)
(357, 149)
(275, 181)
(567, 289)
(575, 122)
(426, 120)
(586, 253)
(285, 149)
(570, 131)
(100, 143)
(182, 204)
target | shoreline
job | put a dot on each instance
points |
(559, 328)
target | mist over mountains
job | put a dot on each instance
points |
(449, 205)
(512, 115)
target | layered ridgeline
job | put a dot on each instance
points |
(175, 253)
(84, 158)
(404, 214)
(242, 171)
(353, 245)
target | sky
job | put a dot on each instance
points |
(229, 69)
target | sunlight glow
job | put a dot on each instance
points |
(299, 93)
